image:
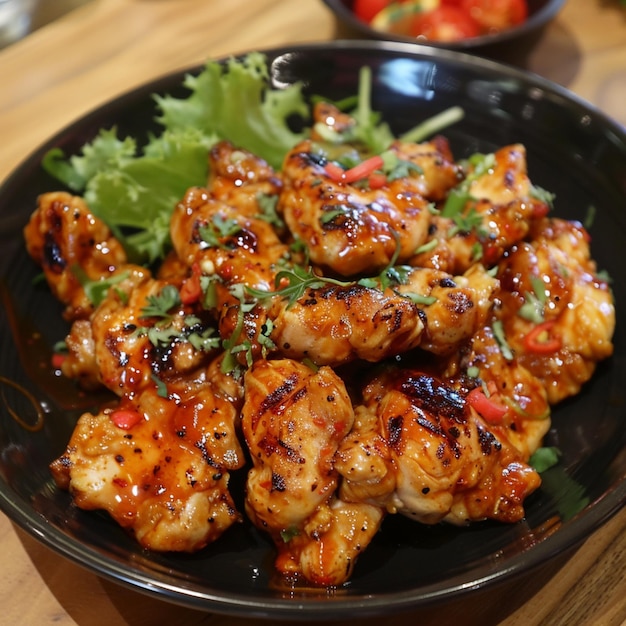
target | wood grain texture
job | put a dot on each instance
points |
(107, 47)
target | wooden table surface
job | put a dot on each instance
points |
(105, 47)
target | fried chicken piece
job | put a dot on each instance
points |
(293, 419)
(325, 551)
(417, 448)
(234, 247)
(239, 178)
(575, 308)
(130, 340)
(499, 209)
(434, 172)
(159, 465)
(522, 409)
(349, 229)
(333, 325)
(67, 240)
(453, 307)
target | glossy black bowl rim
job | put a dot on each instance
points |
(566, 538)
(533, 23)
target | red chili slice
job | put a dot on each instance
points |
(191, 289)
(335, 172)
(540, 339)
(487, 407)
(126, 418)
(358, 172)
(376, 180)
(364, 169)
(58, 359)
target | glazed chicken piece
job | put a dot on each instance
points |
(325, 551)
(224, 233)
(293, 419)
(434, 172)
(349, 229)
(417, 448)
(333, 325)
(159, 465)
(498, 212)
(432, 310)
(453, 308)
(518, 409)
(224, 242)
(241, 179)
(572, 315)
(66, 239)
(140, 330)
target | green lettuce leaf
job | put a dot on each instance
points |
(134, 188)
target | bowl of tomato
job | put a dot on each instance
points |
(456, 24)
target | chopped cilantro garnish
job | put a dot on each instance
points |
(267, 205)
(96, 290)
(541, 194)
(159, 305)
(160, 385)
(217, 230)
(503, 344)
(292, 284)
(534, 302)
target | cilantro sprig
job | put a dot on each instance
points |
(293, 283)
(159, 305)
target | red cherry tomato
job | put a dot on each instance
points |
(496, 15)
(445, 23)
(366, 9)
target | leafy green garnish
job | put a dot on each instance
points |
(136, 187)
(217, 229)
(232, 101)
(160, 305)
(433, 125)
(534, 302)
(479, 165)
(500, 337)
(96, 290)
(160, 385)
(543, 195)
(292, 284)
(268, 213)
(544, 458)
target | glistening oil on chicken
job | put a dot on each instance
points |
(361, 340)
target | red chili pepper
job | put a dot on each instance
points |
(540, 339)
(191, 289)
(364, 169)
(126, 418)
(540, 209)
(487, 407)
(58, 359)
(335, 172)
(358, 172)
(376, 180)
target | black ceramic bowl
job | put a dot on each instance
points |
(573, 151)
(540, 12)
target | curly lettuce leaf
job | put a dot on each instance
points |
(232, 101)
(135, 188)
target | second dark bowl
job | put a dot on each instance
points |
(540, 13)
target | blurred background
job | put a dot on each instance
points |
(20, 17)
